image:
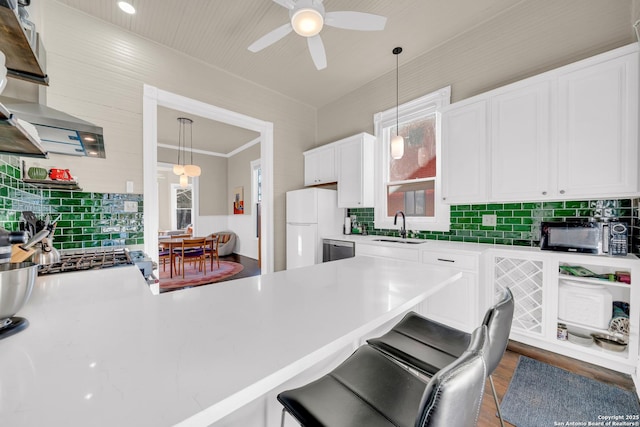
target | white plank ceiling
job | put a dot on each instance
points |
(218, 32)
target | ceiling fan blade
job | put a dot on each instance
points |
(355, 21)
(289, 4)
(271, 37)
(316, 48)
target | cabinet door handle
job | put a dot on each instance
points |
(561, 191)
(544, 193)
(446, 260)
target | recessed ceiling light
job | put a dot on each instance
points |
(126, 7)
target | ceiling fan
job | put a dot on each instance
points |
(307, 17)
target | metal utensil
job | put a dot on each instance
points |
(31, 221)
(45, 253)
(16, 283)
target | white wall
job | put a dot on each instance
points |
(530, 38)
(97, 72)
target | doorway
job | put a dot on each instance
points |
(154, 98)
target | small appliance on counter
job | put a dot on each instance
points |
(7, 240)
(16, 284)
(593, 237)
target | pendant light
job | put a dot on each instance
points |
(181, 168)
(397, 142)
(184, 180)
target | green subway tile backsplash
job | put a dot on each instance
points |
(518, 224)
(86, 219)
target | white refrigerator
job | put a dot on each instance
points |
(312, 213)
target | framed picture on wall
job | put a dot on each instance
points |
(238, 200)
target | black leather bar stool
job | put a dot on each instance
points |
(370, 389)
(428, 346)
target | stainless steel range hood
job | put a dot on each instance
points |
(59, 132)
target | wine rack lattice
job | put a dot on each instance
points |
(524, 278)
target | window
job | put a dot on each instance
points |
(412, 183)
(182, 206)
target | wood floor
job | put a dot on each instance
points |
(250, 265)
(502, 376)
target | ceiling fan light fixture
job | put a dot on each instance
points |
(307, 22)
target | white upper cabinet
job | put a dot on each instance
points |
(355, 171)
(567, 134)
(520, 143)
(464, 153)
(598, 128)
(320, 165)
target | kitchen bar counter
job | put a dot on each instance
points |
(101, 350)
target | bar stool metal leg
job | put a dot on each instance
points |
(495, 398)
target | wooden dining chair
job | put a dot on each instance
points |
(165, 256)
(212, 249)
(192, 250)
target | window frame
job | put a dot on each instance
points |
(431, 103)
(174, 203)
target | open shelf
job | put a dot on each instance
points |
(52, 184)
(593, 281)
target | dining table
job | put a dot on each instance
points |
(176, 242)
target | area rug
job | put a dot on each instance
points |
(541, 395)
(193, 277)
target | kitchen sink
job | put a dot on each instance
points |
(410, 242)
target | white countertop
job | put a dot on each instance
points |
(101, 350)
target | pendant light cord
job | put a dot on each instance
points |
(397, 51)
(179, 139)
(191, 139)
(397, 95)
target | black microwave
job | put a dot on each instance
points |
(584, 237)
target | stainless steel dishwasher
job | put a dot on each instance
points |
(337, 249)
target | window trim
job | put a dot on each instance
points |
(432, 102)
(174, 203)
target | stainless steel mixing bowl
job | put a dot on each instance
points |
(16, 283)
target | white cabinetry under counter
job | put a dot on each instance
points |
(456, 305)
(542, 307)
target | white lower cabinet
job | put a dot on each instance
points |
(539, 282)
(457, 304)
(388, 251)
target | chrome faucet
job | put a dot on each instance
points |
(403, 229)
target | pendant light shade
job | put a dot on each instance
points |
(192, 170)
(397, 147)
(184, 181)
(397, 142)
(180, 168)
